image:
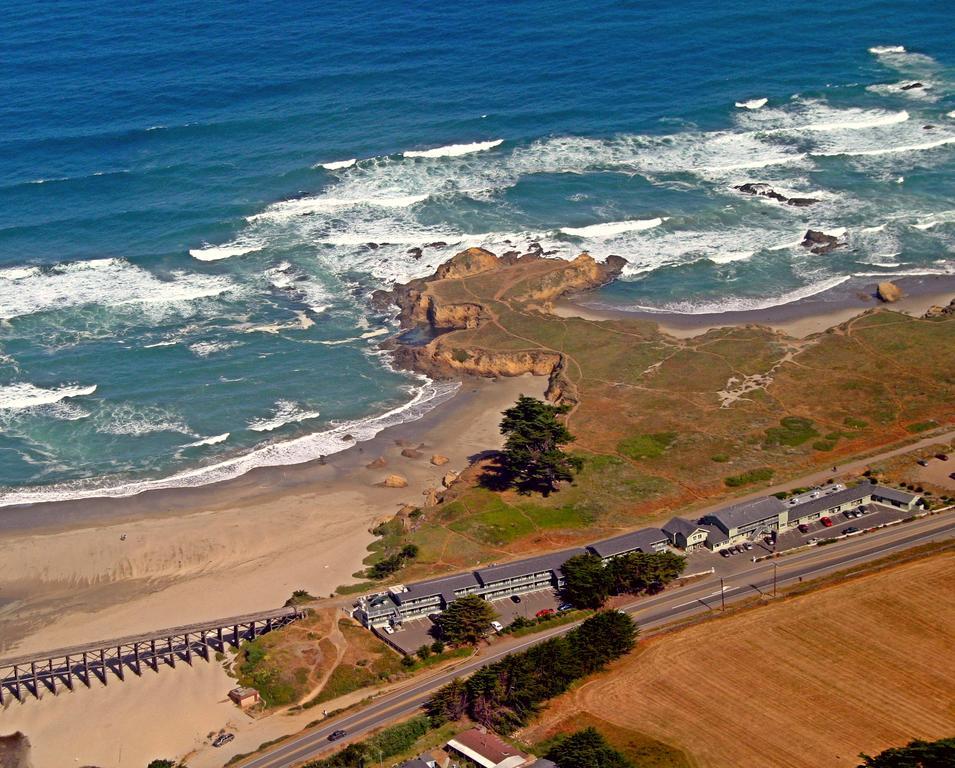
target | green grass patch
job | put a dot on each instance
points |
(758, 475)
(720, 458)
(641, 750)
(792, 431)
(921, 426)
(538, 625)
(853, 423)
(824, 445)
(646, 446)
(354, 589)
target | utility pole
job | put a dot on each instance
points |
(774, 579)
(722, 595)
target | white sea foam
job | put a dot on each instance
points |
(217, 252)
(859, 119)
(376, 332)
(290, 452)
(107, 282)
(136, 420)
(880, 50)
(206, 348)
(285, 412)
(745, 304)
(602, 231)
(752, 104)
(214, 440)
(308, 206)
(920, 147)
(18, 396)
(949, 270)
(454, 150)
(339, 164)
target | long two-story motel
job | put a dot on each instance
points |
(727, 527)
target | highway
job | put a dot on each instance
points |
(698, 597)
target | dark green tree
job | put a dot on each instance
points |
(163, 763)
(449, 703)
(916, 754)
(638, 571)
(466, 620)
(586, 749)
(603, 638)
(587, 582)
(532, 455)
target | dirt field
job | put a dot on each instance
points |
(810, 681)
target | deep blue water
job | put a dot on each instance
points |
(176, 259)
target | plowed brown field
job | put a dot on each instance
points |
(810, 681)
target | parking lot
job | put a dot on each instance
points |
(412, 634)
(875, 515)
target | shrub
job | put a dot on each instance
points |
(758, 475)
(720, 458)
(853, 423)
(792, 431)
(460, 355)
(586, 749)
(646, 446)
(824, 445)
(922, 426)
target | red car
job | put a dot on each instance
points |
(826, 522)
(544, 612)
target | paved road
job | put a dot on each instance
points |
(649, 612)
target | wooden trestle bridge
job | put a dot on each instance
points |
(55, 670)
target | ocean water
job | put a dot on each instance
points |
(196, 198)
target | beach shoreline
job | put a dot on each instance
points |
(799, 319)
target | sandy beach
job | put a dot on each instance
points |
(798, 319)
(198, 554)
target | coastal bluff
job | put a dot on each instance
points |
(470, 291)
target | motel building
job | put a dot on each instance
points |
(727, 527)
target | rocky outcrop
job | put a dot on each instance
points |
(581, 274)
(454, 316)
(473, 261)
(936, 310)
(912, 86)
(448, 480)
(888, 292)
(439, 460)
(819, 242)
(378, 463)
(395, 481)
(411, 453)
(764, 190)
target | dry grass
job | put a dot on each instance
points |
(810, 681)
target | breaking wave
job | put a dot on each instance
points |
(286, 412)
(14, 397)
(297, 451)
(454, 150)
(752, 104)
(339, 164)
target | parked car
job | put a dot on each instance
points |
(515, 598)
(848, 514)
(922, 462)
(812, 540)
(747, 546)
(565, 607)
(544, 613)
(223, 738)
(826, 522)
(850, 529)
(803, 528)
(389, 630)
(497, 626)
(341, 733)
(725, 552)
(941, 456)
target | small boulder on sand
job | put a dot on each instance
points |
(889, 292)
(411, 453)
(430, 496)
(449, 479)
(378, 463)
(439, 461)
(395, 481)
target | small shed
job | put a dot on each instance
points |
(245, 697)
